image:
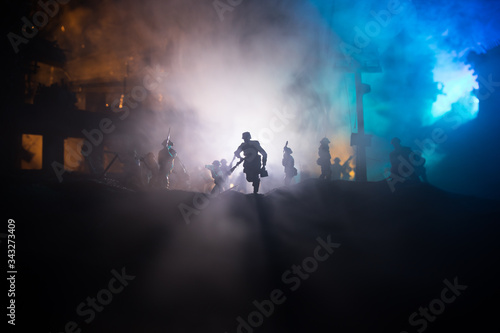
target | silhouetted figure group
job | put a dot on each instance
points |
(329, 171)
(220, 173)
(405, 165)
(155, 172)
(341, 171)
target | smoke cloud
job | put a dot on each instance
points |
(272, 68)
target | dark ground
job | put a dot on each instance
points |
(396, 249)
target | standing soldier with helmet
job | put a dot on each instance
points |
(324, 159)
(166, 158)
(289, 163)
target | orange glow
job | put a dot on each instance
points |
(73, 158)
(33, 151)
(341, 148)
(120, 106)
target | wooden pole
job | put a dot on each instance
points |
(360, 170)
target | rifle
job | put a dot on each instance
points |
(168, 138)
(232, 169)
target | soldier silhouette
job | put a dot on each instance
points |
(400, 161)
(346, 169)
(217, 175)
(252, 160)
(336, 169)
(166, 158)
(289, 164)
(324, 159)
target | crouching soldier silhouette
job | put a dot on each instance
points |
(252, 160)
(324, 159)
(289, 163)
(217, 175)
(166, 158)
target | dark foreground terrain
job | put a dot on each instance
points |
(317, 257)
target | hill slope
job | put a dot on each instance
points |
(337, 256)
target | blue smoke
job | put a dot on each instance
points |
(422, 49)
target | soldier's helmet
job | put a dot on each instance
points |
(287, 150)
(246, 135)
(216, 163)
(324, 141)
(336, 160)
(223, 161)
(395, 141)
